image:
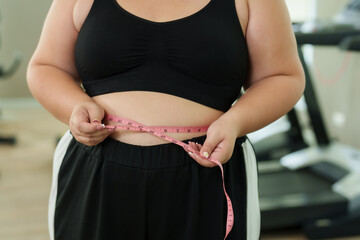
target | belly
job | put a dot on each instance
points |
(155, 109)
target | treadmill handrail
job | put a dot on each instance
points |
(351, 43)
(324, 38)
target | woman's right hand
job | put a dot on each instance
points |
(85, 123)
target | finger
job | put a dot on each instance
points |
(194, 146)
(99, 126)
(94, 139)
(210, 143)
(201, 161)
(223, 151)
(103, 132)
(87, 141)
(199, 146)
(196, 157)
(98, 139)
(96, 113)
(85, 127)
(219, 155)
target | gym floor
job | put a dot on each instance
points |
(25, 174)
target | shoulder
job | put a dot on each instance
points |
(80, 12)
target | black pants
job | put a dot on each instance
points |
(120, 191)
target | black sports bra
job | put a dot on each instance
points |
(202, 57)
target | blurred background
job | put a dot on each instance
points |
(309, 160)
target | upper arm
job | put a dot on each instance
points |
(271, 41)
(58, 37)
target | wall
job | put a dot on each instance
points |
(21, 23)
(327, 8)
(301, 10)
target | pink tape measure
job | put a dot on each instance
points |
(160, 131)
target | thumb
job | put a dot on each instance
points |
(96, 113)
(208, 146)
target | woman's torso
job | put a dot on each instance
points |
(155, 108)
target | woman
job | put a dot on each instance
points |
(161, 63)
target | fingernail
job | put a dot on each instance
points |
(206, 154)
(102, 126)
(191, 153)
(96, 121)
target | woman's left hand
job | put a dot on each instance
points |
(219, 143)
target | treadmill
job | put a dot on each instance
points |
(347, 224)
(287, 138)
(6, 73)
(316, 187)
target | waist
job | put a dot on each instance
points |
(155, 109)
(146, 139)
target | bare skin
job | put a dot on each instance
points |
(275, 68)
(158, 108)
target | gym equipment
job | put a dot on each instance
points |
(346, 184)
(350, 14)
(5, 74)
(315, 187)
(17, 57)
(280, 143)
(350, 43)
